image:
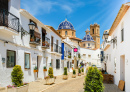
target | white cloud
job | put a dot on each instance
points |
(46, 6)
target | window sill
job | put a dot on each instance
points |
(26, 69)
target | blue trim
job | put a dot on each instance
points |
(62, 57)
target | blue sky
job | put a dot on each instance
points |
(81, 13)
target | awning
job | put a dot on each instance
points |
(37, 33)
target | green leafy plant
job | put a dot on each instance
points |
(82, 69)
(50, 72)
(35, 68)
(79, 55)
(44, 67)
(93, 81)
(79, 70)
(65, 71)
(17, 76)
(74, 72)
(69, 56)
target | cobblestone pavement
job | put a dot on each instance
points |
(75, 85)
(39, 86)
(111, 88)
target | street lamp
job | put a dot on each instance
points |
(105, 35)
(31, 26)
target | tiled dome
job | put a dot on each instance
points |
(65, 25)
(87, 37)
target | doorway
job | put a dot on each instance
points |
(122, 67)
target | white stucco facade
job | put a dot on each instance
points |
(117, 53)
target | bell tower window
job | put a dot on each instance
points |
(93, 31)
(65, 32)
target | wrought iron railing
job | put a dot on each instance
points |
(46, 43)
(9, 20)
(55, 47)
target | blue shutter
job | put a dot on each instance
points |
(62, 57)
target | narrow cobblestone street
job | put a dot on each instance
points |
(75, 85)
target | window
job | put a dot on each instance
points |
(93, 31)
(88, 44)
(72, 33)
(59, 32)
(89, 56)
(122, 35)
(65, 32)
(57, 63)
(83, 45)
(122, 32)
(27, 61)
(11, 58)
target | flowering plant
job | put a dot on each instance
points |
(9, 86)
(25, 83)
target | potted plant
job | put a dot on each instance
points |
(35, 69)
(65, 75)
(82, 71)
(72, 67)
(43, 43)
(44, 68)
(32, 40)
(74, 74)
(50, 79)
(79, 72)
(17, 80)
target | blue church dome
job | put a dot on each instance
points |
(87, 37)
(65, 25)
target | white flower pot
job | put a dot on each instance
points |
(73, 75)
(79, 74)
(50, 81)
(65, 77)
(19, 89)
(82, 73)
(2, 89)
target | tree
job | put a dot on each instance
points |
(17, 76)
(93, 81)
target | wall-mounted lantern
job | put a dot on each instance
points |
(31, 26)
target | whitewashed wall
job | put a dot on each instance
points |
(121, 49)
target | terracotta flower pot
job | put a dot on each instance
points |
(31, 40)
(72, 68)
(44, 70)
(35, 71)
(73, 75)
(65, 77)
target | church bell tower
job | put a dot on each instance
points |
(95, 33)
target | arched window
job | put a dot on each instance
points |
(59, 32)
(93, 31)
(84, 45)
(88, 44)
(65, 32)
(72, 33)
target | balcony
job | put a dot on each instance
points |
(55, 48)
(46, 43)
(35, 41)
(9, 23)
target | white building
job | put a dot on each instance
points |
(116, 47)
(25, 47)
